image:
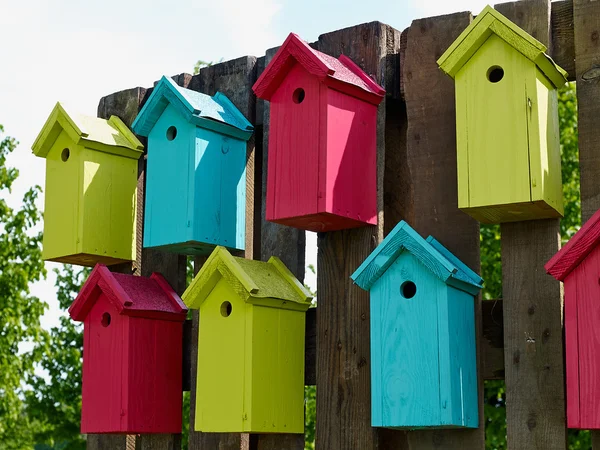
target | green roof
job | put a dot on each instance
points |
(111, 136)
(264, 283)
(491, 22)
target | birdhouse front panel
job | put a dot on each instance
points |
(196, 182)
(508, 152)
(254, 378)
(423, 359)
(322, 139)
(577, 265)
(132, 369)
(91, 188)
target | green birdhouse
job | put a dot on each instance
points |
(507, 134)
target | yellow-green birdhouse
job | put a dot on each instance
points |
(91, 188)
(250, 345)
(506, 122)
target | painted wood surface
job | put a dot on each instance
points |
(91, 178)
(322, 138)
(257, 311)
(514, 131)
(204, 138)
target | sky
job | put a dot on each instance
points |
(77, 51)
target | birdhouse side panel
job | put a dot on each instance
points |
(105, 360)
(348, 178)
(295, 134)
(154, 377)
(221, 362)
(588, 337)
(109, 205)
(572, 351)
(63, 193)
(458, 359)
(277, 370)
(544, 143)
(408, 295)
(493, 83)
(169, 185)
(219, 190)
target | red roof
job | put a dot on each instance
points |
(341, 74)
(133, 296)
(575, 251)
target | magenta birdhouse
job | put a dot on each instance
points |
(322, 161)
(132, 353)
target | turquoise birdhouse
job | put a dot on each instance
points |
(423, 363)
(196, 170)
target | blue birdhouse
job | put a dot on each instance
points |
(423, 363)
(196, 170)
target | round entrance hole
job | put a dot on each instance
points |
(408, 289)
(171, 133)
(65, 154)
(225, 309)
(495, 74)
(105, 319)
(298, 95)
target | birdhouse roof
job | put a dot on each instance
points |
(216, 113)
(110, 136)
(151, 297)
(263, 283)
(489, 22)
(341, 74)
(433, 255)
(575, 251)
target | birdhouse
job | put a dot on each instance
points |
(507, 135)
(577, 266)
(196, 170)
(423, 362)
(132, 353)
(250, 345)
(91, 188)
(322, 159)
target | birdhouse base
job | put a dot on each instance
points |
(195, 248)
(87, 259)
(513, 212)
(323, 222)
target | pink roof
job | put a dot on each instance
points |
(133, 296)
(575, 251)
(341, 74)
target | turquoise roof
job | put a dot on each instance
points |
(217, 113)
(433, 255)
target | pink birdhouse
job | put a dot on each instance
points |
(133, 330)
(322, 160)
(577, 265)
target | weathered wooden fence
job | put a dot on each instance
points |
(416, 181)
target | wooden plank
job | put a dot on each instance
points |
(126, 104)
(586, 21)
(343, 354)
(563, 36)
(234, 79)
(533, 347)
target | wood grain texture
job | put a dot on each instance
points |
(562, 49)
(234, 78)
(431, 206)
(343, 369)
(533, 348)
(126, 105)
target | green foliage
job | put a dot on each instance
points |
(55, 401)
(20, 265)
(202, 64)
(491, 268)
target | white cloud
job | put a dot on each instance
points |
(429, 8)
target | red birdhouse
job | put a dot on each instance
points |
(577, 265)
(322, 161)
(132, 328)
